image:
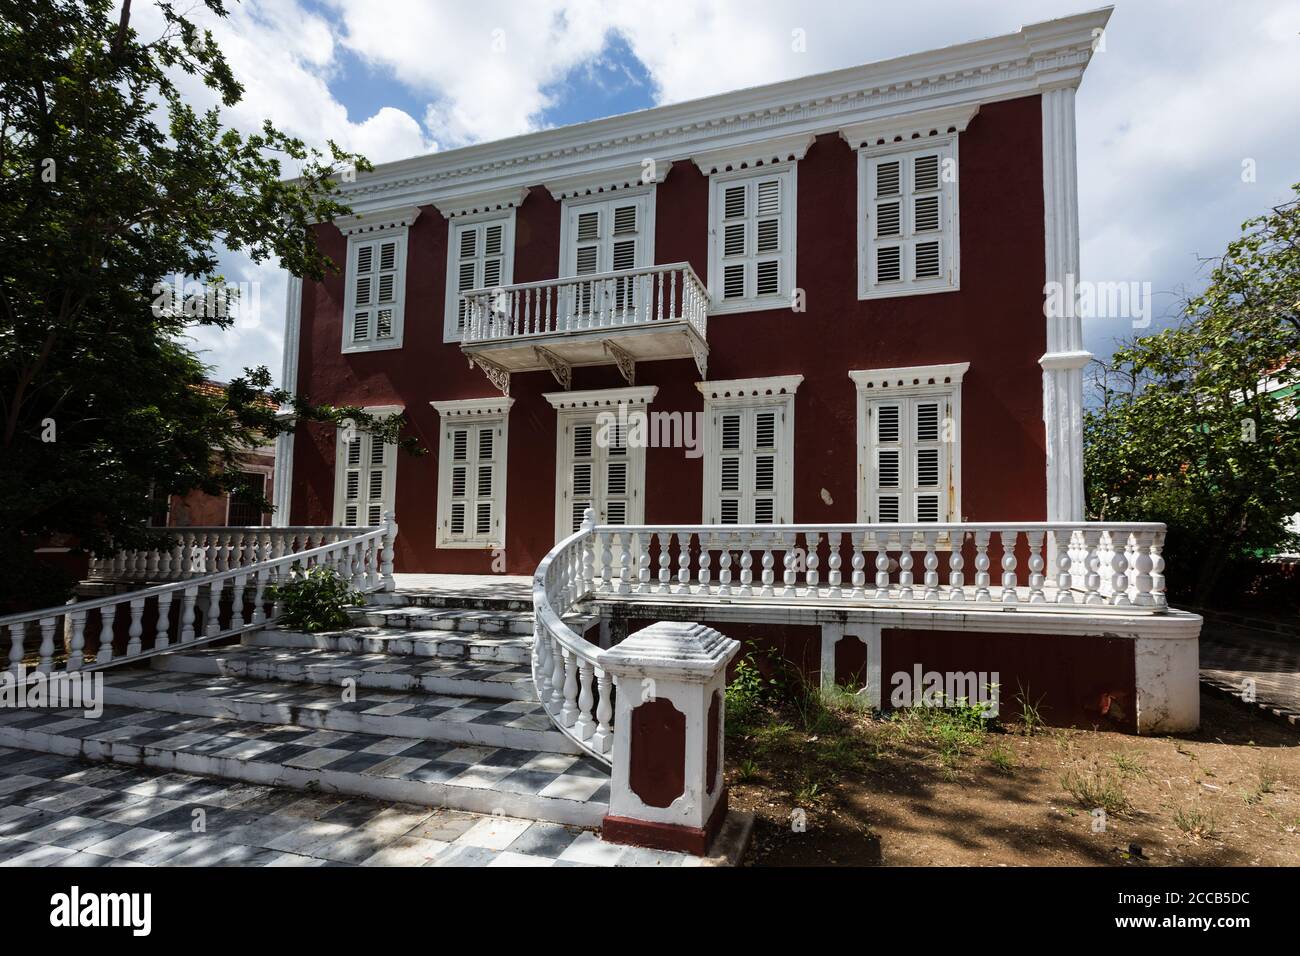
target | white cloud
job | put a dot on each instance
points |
(1183, 92)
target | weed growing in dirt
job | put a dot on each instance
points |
(1097, 790)
(1196, 823)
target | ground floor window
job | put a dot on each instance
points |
(472, 473)
(749, 450)
(909, 444)
(599, 460)
(365, 475)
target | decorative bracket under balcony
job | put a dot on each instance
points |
(624, 360)
(561, 369)
(498, 376)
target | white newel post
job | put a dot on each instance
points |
(667, 787)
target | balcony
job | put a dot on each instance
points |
(614, 318)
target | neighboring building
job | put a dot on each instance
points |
(197, 509)
(866, 340)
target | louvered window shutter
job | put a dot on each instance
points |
(910, 459)
(363, 297)
(367, 479)
(473, 473)
(908, 219)
(750, 237)
(750, 455)
(480, 250)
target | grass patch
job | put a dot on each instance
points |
(1128, 765)
(1002, 759)
(1097, 790)
(1196, 823)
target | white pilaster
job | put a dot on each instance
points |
(282, 493)
(1065, 358)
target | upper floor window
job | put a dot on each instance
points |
(376, 291)
(907, 223)
(751, 238)
(480, 255)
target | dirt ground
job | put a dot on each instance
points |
(909, 792)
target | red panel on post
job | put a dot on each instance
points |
(658, 753)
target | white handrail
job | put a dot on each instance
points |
(364, 556)
(824, 566)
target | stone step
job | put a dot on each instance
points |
(498, 680)
(439, 643)
(415, 617)
(484, 721)
(558, 788)
(464, 602)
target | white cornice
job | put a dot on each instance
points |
(777, 150)
(602, 397)
(892, 129)
(914, 377)
(1036, 58)
(608, 180)
(489, 200)
(474, 407)
(1066, 360)
(377, 219)
(750, 387)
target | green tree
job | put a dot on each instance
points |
(111, 185)
(1196, 426)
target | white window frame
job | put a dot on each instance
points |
(450, 332)
(389, 497)
(787, 172)
(399, 234)
(883, 385)
(576, 408)
(472, 413)
(643, 196)
(749, 393)
(949, 233)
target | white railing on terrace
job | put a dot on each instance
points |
(967, 566)
(610, 300)
(199, 609)
(196, 551)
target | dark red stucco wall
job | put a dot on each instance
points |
(995, 322)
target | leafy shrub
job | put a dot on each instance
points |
(316, 600)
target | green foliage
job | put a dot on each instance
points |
(1094, 790)
(1196, 426)
(316, 600)
(111, 186)
(749, 691)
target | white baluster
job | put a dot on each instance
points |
(603, 738)
(642, 543)
(769, 576)
(569, 710)
(880, 544)
(188, 598)
(1009, 577)
(16, 634)
(624, 557)
(746, 565)
(834, 577)
(136, 629)
(1064, 580)
(705, 574)
(956, 565)
(982, 578)
(683, 563)
(1036, 565)
(162, 626)
(813, 575)
(1119, 565)
(1092, 579)
(213, 625)
(724, 569)
(906, 540)
(104, 652)
(665, 576)
(1158, 597)
(1144, 565)
(859, 562)
(585, 725)
(931, 564)
(76, 640)
(259, 596)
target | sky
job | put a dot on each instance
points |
(1188, 116)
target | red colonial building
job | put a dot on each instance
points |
(810, 305)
